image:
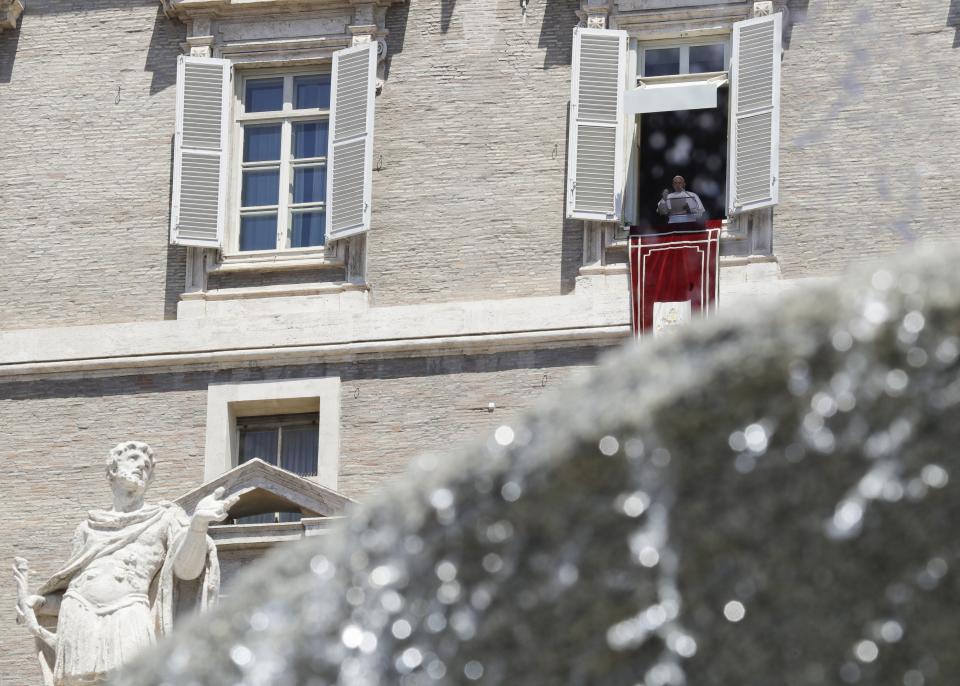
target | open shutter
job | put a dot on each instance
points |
(200, 151)
(351, 141)
(755, 114)
(595, 166)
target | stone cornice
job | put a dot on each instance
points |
(10, 11)
(186, 10)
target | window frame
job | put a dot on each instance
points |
(286, 117)
(226, 402)
(640, 46)
(280, 422)
(725, 39)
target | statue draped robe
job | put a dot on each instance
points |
(94, 639)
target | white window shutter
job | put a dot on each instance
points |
(200, 151)
(595, 164)
(755, 114)
(350, 161)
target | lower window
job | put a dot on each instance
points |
(290, 441)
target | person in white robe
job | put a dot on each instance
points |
(694, 209)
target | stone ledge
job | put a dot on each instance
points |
(188, 9)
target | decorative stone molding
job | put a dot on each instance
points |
(274, 31)
(593, 13)
(10, 11)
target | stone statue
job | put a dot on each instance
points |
(116, 593)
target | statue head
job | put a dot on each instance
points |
(130, 466)
(679, 183)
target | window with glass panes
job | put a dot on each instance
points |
(290, 442)
(284, 123)
(684, 59)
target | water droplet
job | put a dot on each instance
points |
(737, 441)
(891, 631)
(842, 341)
(351, 636)
(734, 611)
(436, 670)
(503, 435)
(401, 629)
(441, 498)
(882, 280)
(241, 655)
(866, 651)
(259, 621)
(913, 677)
(756, 437)
(633, 448)
(648, 556)
(446, 571)
(913, 322)
(492, 562)
(411, 658)
(511, 491)
(897, 380)
(934, 476)
(609, 445)
(635, 504)
(473, 670)
(568, 574)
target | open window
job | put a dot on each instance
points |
(299, 148)
(704, 109)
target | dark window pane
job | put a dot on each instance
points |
(261, 187)
(309, 184)
(308, 229)
(661, 62)
(299, 446)
(706, 58)
(263, 95)
(258, 233)
(268, 518)
(310, 139)
(260, 443)
(261, 143)
(311, 91)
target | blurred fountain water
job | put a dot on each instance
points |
(769, 497)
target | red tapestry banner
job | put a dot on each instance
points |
(674, 274)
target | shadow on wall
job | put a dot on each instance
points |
(163, 50)
(953, 21)
(8, 52)
(556, 32)
(396, 24)
(571, 240)
(175, 281)
(797, 14)
(446, 14)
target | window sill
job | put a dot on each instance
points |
(274, 261)
(721, 77)
(273, 291)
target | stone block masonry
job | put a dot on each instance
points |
(87, 90)
(55, 435)
(869, 158)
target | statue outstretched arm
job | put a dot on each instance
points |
(190, 552)
(27, 603)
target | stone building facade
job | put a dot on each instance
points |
(468, 291)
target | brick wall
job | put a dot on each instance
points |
(870, 157)
(85, 197)
(54, 437)
(471, 127)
